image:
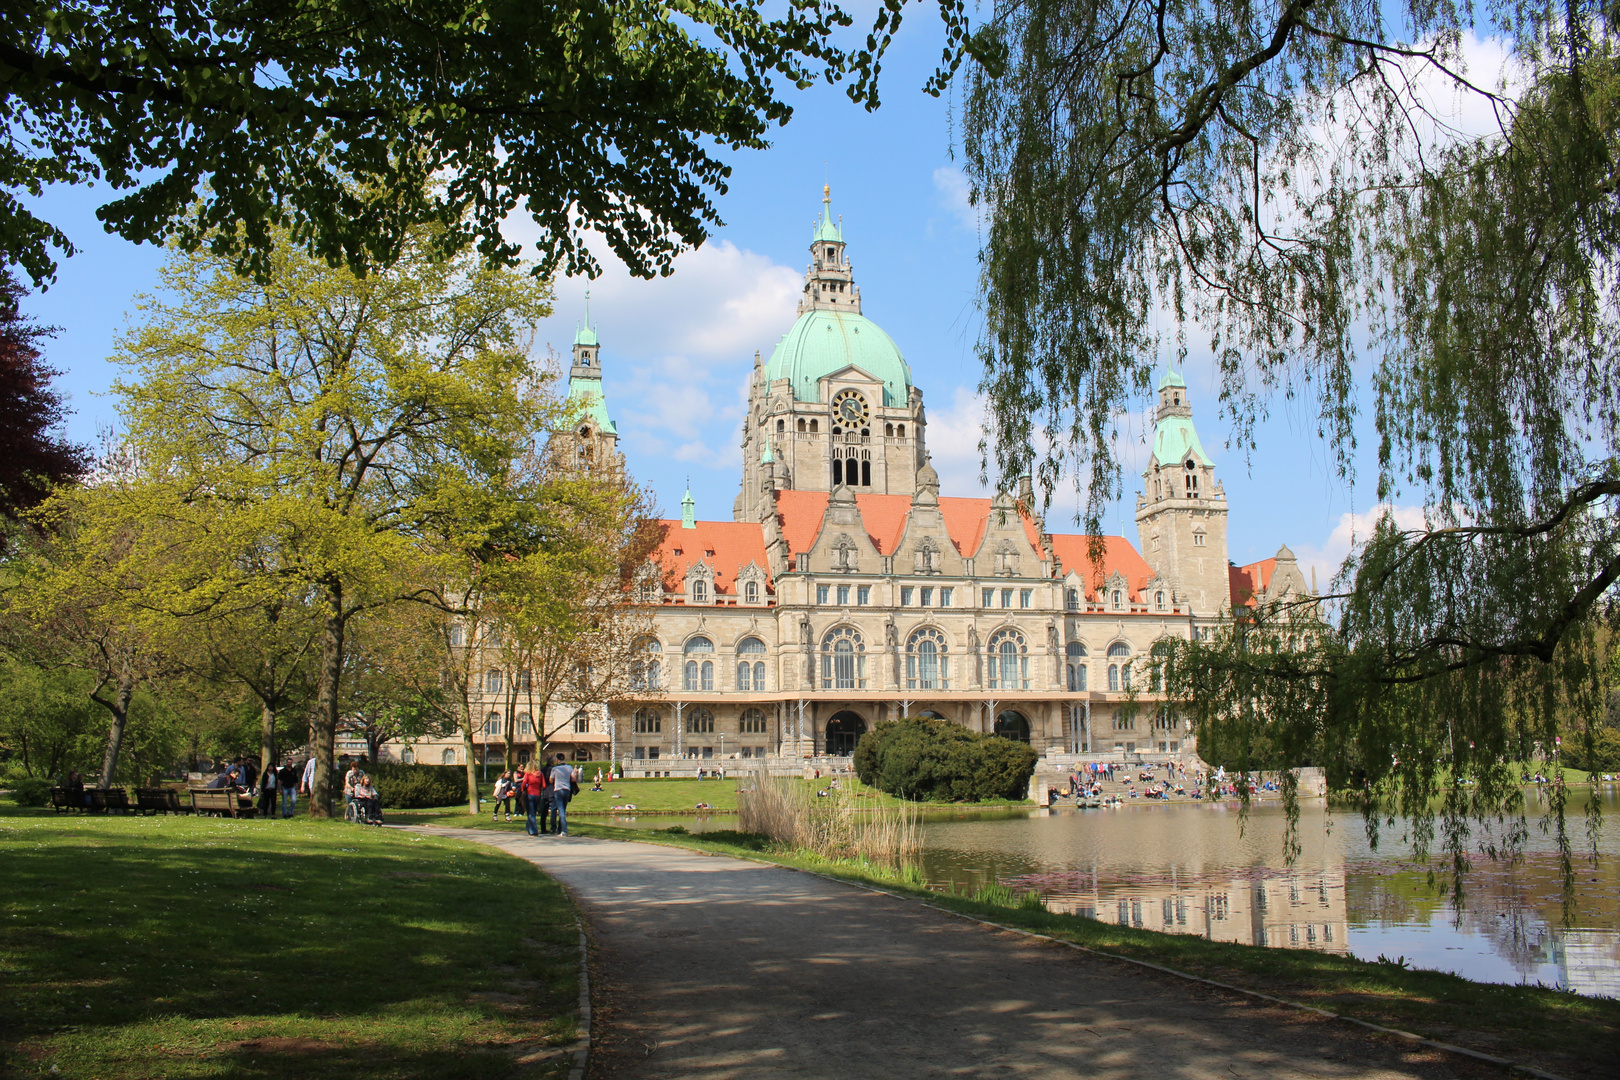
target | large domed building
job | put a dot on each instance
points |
(846, 589)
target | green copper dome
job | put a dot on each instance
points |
(823, 342)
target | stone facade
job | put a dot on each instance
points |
(847, 590)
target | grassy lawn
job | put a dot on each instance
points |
(662, 796)
(1564, 1033)
(179, 947)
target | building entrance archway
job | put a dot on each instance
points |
(1012, 725)
(844, 730)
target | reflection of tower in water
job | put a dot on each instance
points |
(1295, 909)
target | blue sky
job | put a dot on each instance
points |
(677, 352)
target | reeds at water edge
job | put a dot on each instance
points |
(832, 826)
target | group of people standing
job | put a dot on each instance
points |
(274, 785)
(541, 792)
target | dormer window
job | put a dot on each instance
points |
(700, 592)
(1119, 598)
(751, 592)
(1158, 600)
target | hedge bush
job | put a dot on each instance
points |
(415, 787)
(938, 761)
(30, 791)
(1605, 751)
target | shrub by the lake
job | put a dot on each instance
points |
(938, 761)
(413, 787)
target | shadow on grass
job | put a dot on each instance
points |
(167, 941)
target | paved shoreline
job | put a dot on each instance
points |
(712, 968)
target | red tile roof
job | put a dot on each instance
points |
(1074, 553)
(966, 520)
(727, 546)
(1250, 581)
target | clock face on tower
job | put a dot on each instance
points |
(850, 408)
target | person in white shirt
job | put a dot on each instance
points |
(562, 789)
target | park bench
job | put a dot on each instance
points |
(61, 801)
(111, 799)
(222, 801)
(158, 800)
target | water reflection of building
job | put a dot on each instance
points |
(1588, 961)
(1297, 910)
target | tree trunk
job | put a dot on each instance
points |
(472, 768)
(323, 726)
(267, 737)
(119, 707)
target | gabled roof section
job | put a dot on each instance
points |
(727, 546)
(1251, 581)
(1073, 553)
(885, 516)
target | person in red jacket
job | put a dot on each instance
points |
(534, 786)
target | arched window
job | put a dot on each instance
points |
(1009, 661)
(752, 722)
(866, 474)
(648, 722)
(900, 430)
(1118, 650)
(815, 426)
(492, 725)
(492, 680)
(1071, 599)
(524, 726)
(801, 425)
(408, 756)
(448, 757)
(700, 592)
(751, 592)
(781, 426)
(1076, 660)
(843, 660)
(699, 673)
(750, 673)
(1158, 600)
(927, 666)
(699, 721)
(1113, 677)
(1119, 598)
(838, 471)
(1119, 675)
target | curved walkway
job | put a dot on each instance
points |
(711, 968)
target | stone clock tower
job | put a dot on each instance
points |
(1181, 510)
(834, 404)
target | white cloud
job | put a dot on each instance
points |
(1352, 530)
(953, 443)
(953, 190)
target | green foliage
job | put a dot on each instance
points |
(31, 791)
(1604, 753)
(223, 125)
(934, 760)
(1462, 290)
(409, 787)
(48, 724)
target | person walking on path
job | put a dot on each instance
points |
(287, 777)
(548, 808)
(309, 775)
(503, 797)
(562, 789)
(534, 786)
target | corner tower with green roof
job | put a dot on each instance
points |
(835, 398)
(1181, 509)
(595, 442)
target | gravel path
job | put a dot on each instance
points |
(711, 968)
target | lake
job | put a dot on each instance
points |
(1207, 869)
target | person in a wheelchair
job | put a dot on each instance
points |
(367, 801)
